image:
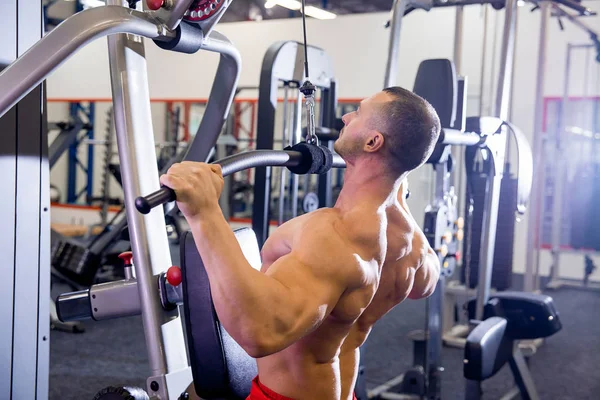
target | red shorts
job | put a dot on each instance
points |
(261, 392)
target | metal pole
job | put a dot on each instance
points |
(559, 173)
(458, 173)
(490, 214)
(133, 124)
(506, 61)
(221, 152)
(458, 39)
(391, 69)
(25, 214)
(226, 200)
(493, 64)
(296, 138)
(512, 84)
(586, 76)
(488, 239)
(483, 57)
(532, 256)
(283, 140)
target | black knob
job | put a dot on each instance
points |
(161, 196)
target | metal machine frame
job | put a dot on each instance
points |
(560, 167)
(283, 64)
(494, 135)
(533, 259)
(532, 264)
(491, 137)
(170, 372)
(504, 84)
(20, 86)
(25, 244)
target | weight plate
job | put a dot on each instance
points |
(310, 202)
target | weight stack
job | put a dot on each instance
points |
(74, 260)
(505, 232)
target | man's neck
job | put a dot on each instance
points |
(368, 181)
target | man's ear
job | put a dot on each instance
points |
(374, 142)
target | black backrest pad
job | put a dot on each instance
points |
(487, 349)
(436, 82)
(529, 315)
(220, 367)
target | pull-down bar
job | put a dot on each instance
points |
(275, 158)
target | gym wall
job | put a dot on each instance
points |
(59, 111)
(357, 44)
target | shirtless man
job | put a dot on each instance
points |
(329, 275)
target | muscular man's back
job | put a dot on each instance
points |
(377, 242)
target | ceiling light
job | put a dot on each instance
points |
(289, 4)
(319, 13)
(91, 3)
(295, 5)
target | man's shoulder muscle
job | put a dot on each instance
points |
(321, 230)
(327, 241)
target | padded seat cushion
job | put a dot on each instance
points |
(220, 367)
(487, 349)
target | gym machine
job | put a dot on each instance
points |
(282, 65)
(138, 294)
(436, 82)
(25, 232)
(559, 168)
(127, 24)
(67, 135)
(442, 229)
(454, 335)
(509, 317)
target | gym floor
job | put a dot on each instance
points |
(565, 367)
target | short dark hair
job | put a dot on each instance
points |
(411, 128)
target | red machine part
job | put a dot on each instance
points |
(155, 4)
(201, 10)
(127, 258)
(174, 276)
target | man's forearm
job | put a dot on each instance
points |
(245, 299)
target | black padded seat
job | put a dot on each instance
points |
(220, 367)
(487, 349)
(529, 315)
(508, 318)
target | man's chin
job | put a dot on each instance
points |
(336, 148)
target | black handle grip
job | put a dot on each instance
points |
(147, 203)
